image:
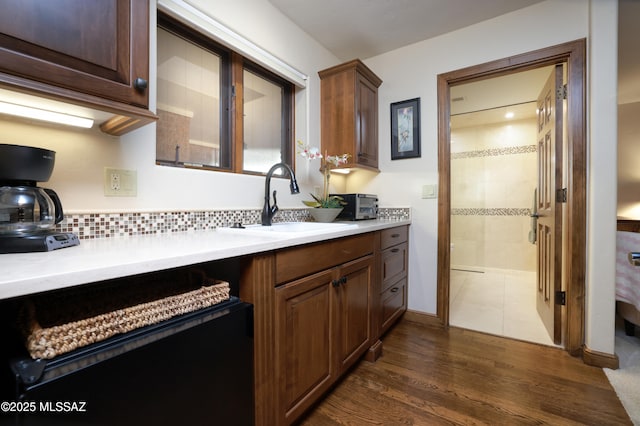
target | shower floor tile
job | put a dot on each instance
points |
(500, 302)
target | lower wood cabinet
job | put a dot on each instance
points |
(317, 309)
(394, 262)
(353, 310)
(322, 328)
(393, 302)
(304, 343)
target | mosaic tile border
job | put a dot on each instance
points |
(116, 225)
(494, 152)
(499, 211)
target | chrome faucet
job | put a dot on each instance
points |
(269, 211)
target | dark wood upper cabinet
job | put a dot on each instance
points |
(89, 53)
(349, 113)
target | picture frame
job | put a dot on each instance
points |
(405, 129)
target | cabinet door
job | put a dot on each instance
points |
(91, 47)
(304, 338)
(366, 122)
(349, 112)
(353, 310)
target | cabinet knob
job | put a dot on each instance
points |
(395, 250)
(394, 290)
(343, 280)
(140, 84)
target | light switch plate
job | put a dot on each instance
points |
(429, 191)
(120, 182)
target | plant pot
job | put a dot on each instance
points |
(324, 215)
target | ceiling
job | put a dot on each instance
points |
(365, 28)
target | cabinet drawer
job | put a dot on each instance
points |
(394, 303)
(299, 261)
(391, 237)
(393, 264)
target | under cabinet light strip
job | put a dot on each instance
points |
(194, 16)
(44, 115)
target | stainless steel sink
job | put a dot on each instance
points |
(289, 228)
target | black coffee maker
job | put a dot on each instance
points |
(29, 213)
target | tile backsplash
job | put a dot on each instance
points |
(115, 225)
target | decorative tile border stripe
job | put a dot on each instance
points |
(390, 213)
(115, 225)
(494, 152)
(504, 211)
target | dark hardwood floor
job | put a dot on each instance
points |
(431, 376)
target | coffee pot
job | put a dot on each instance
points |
(29, 213)
(28, 209)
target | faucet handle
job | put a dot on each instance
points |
(274, 208)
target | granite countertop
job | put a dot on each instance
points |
(108, 258)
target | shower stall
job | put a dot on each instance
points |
(493, 252)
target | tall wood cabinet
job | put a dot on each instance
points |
(349, 113)
(91, 53)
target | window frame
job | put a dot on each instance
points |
(286, 118)
(232, 66)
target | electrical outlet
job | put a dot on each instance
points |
(115, 181)
(120, 182)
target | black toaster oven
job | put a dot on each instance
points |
(359, 206)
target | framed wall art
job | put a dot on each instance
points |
(405, 129)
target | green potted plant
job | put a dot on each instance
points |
(327, 207)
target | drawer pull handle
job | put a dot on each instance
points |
(395, 250)
(394, 290)
(395, 235)
(336, 283)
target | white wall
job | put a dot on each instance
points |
(82, 155)
(407, 73)
(628, 155)
(412, 72)
(602, 180)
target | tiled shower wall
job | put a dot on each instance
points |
(493, 178)
(114, 225)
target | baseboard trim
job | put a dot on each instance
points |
(600, 359)
(422, 318)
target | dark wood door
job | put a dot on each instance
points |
(366, 122)
(92, 47)
(549, 211)
(353, 310)
(304, 342)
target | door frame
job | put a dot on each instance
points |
(574, 262)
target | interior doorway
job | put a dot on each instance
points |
(573, 250)
(494, 145)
